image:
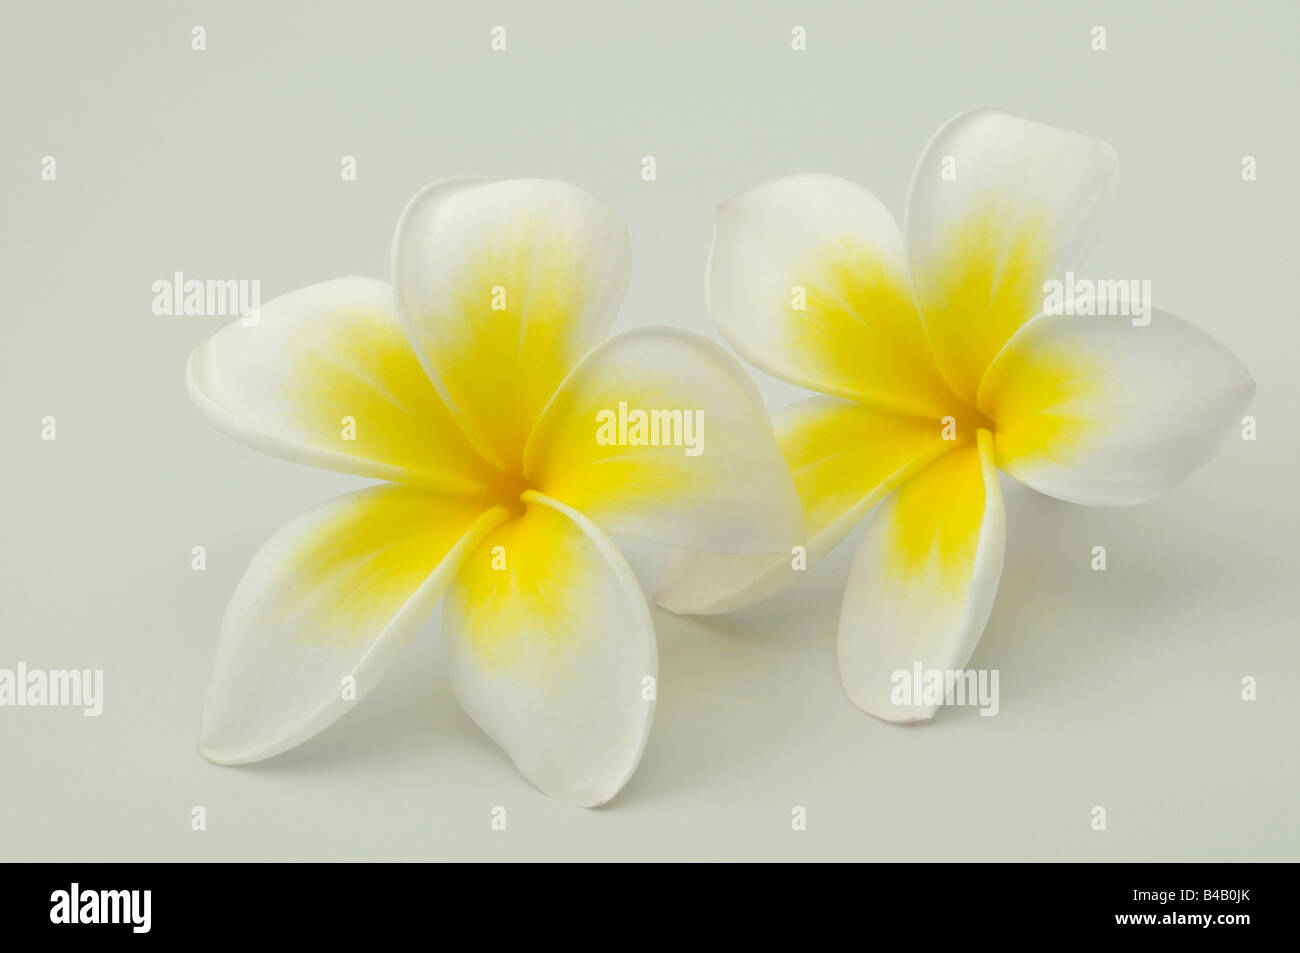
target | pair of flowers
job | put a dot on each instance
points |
(473, 383)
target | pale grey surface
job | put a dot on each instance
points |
(1119, 689)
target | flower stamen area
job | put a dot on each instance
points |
(963, 421)
(508, 490)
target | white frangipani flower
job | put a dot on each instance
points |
(935, 332)
(475, 389)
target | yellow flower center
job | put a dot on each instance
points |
(508, 490)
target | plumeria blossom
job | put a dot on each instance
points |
(473, 385)
(933, 332)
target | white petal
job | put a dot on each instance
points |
(845, 457)
(807, 281)
(923, 581)
(709, 475)
(551, 651)
(997, 206)
(326, 376)
(1101, 411)
(334, 595)
(503, 287)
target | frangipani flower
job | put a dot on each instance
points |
(474, 385)
(935, 332)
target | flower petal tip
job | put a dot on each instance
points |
(679, 601)
(214, 755)
(665, 600)
(892, 714)
(225, 752)
(674, 593)
(227, 746)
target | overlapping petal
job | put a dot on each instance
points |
(807, 281)
(997, 206)
(1101, 410)
(503, 287)
(660, 435)
(551, 651)
(326, 376)
(333, 595)
(844, 457)
(923, 581)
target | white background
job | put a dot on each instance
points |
(1119, 689)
